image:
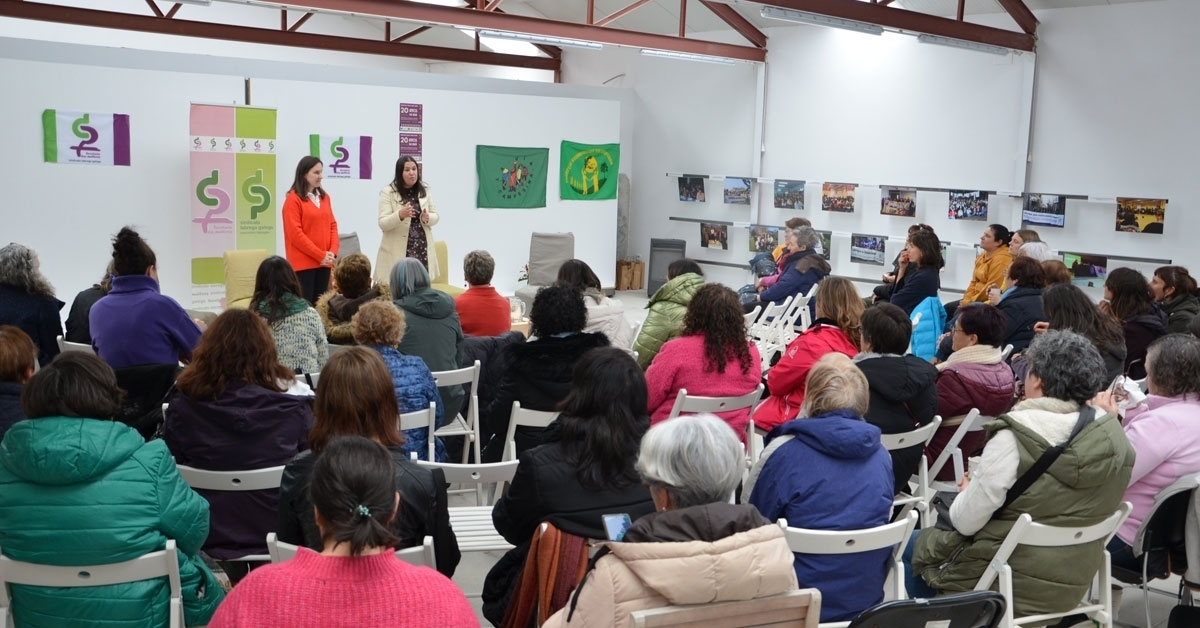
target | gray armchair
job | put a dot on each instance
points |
(547, 252)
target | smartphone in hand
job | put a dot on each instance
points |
(616, 525)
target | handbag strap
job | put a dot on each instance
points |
(1086, 415)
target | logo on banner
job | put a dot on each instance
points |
(214, 198)
(87, 134)
(345, 156)
(257, 193)
(337, 148)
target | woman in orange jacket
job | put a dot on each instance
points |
(310, 232)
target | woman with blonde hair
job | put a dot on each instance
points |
(838, 327)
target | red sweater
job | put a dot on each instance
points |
(681, 364)
(787, 378)
(308, 231)
(318, 591)
(483, 312)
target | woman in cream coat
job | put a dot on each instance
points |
(406, 198)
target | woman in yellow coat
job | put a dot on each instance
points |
(406, 215)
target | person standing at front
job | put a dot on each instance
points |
(406, 215)
(310, 232)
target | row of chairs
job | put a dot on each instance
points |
(773, 326)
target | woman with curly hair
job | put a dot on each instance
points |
(838, 327)
(1127, 298)
(712, 358)
(352, 288)
(232, 410)
(27, 300)
(296, 326)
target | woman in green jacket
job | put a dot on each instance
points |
(77, 488)
(667, 307)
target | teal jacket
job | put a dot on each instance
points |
(664, 321)
(85, 492)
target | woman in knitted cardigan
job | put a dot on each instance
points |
(295, 325)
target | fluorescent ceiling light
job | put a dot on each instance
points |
(686, 56)
(542, 39)
(199, 2)
(958, 43)
(816, 19)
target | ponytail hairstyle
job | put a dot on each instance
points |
(131, 255)
(1001, 234)
(1177, 278)
(353, 487)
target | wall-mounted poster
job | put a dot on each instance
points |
(713, 236)
(838, 197)
(1141, 215)
(511, 177)
(867, 249)
(76, 137)
(825, 243)
(898, 201)
(763, 239)
(588, 171)
(789, 194)
(968, 205)
(691, 189)
(737, 190)
(1087, 271)
(344, 156)
(1044, 209)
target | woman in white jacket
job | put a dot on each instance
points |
(406, 215)
(604, 314)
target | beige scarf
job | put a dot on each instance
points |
(974, 354)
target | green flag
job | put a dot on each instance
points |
(511, 177)
(588, 172)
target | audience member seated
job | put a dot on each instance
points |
(481, 309)
(903, 393)
(664, 320)
(434, 332)
(1037, 251)
(585, 469)
(134, 324)
(538, 373)
(1056, 272)
(692, 465)
(295, 325)
(975, 376)
(1174, 289)
(230, 411)
(711, 359)
(828, 470)
(1082, 488)
(355, 580)
(27, 300)
(380, 326)
(1019, 238)
(791, 225)
(77, 487)
(356, 398)
(352, 278)
(838, 327)
(918, 277)
(804, 269)
(1067, 307)
(1021, 303)
(78, 329)
(18, 357)
(1162, 431)
(991, 266)
(604, 314)
(883, 292)
(787, 250)
(1127, 298)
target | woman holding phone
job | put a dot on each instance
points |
(310, 232)
(406, 215)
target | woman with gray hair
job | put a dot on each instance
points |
(801, 270)
(27, 300)
(434, 332)
(1079, 488)
(692, 464)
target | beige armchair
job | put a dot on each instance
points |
(240, 269)
(547, 252)
(441, 282)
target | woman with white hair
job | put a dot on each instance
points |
(434, 332)
(828, 470)
(27, 300)
(698, 548)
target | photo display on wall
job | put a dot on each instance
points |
(898, 201)
(825, 243)
(691, 189)
(737, 190)
(789, 194)
(1087, 271)
(1141, 215)
(968, 205)
(1044, 209)
(838, 197)
(713, 236)
(945, 245)
(867, 249)
(763, 239)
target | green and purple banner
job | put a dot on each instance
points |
(344, 156)
(77, 137)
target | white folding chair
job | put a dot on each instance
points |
(760, 331)
(423, 420)
(462, 426)
(894, 535)
(953, 453)
(473, 524)
(685, 403)
(793, 609)
(921, 497)
(522, 417)
(752, 316)
(235, 481)
(421, 555)
(1026, 532)
(65, 346)
(800, 319)
(163, 563)
(637, 330)
(309, 379)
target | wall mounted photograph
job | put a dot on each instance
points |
(898, 201)
(867, 249)
(737, 190)
(789, 194)
(691, 189)
(763, 239)
(1141, 215)
(826, 243)
(838, 197)
(1045, 209)
(1087, 271)
(968, 205)
(714, 236)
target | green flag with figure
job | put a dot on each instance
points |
(511, 177)
(588, 172)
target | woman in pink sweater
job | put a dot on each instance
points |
(711, 359)
(356, 580)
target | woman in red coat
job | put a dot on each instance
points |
(310, 232)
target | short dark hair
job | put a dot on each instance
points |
(887, 328)
(75, 384)
(983, 321)
(604, 417)
(683, 266)
(353, 275)
(274, 279)
(1001, 234)
(1130, 293)
(796, 222)
(478, 268)
(1173, 365)
(131, 255)
(353, 487)
(300, 184)
(577, 274)
(1027, 272)
(557, 309)
(930, 247)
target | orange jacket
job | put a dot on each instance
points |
(308, 231)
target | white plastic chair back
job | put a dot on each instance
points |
(422, 420)
(522, 417)
(459, 425)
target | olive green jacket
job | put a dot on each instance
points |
(664, 321)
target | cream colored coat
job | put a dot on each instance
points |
(638, 576)
(394, 245)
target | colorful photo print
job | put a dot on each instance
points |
(714, 236)
(898, 202)
(737, 190)
(691, 189)
(1087, 271)
(1044, 209)
(838, 197)
(789, 194)
(825, 243)
(1141, 215)
(763, 239)
(968, 205)
(867, 249)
